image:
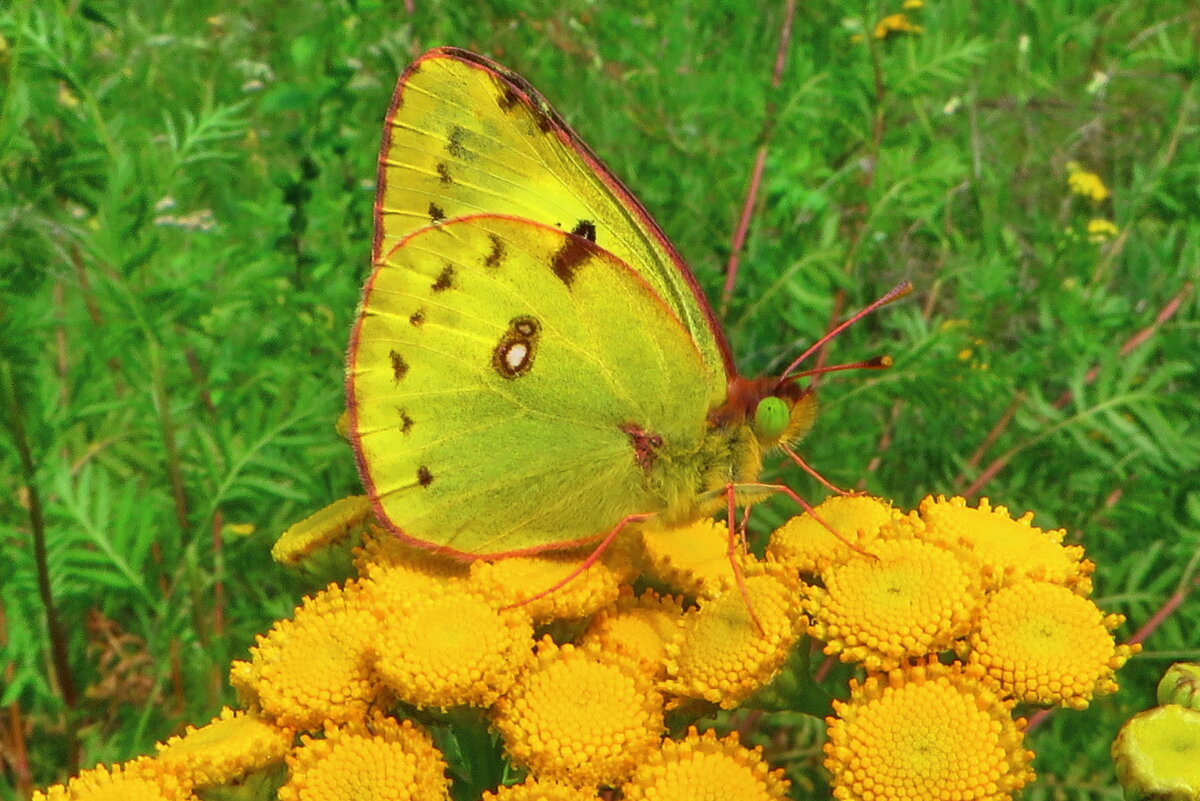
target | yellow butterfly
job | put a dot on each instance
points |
(533, 364)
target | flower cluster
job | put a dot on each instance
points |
(957, 613)
(1089, 185)
(598, 686)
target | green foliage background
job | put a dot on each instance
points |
(185, 212)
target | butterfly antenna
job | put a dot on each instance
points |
(893, 294)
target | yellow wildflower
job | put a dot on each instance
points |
(926, 732)
(895, 24)
(908, 598)
(1157, 754)
(313, 668)
(703, 767)
(1101, 230)
(1086, 184)
(580, 716)
(227, 748)
(517, 579)
(381, 758)
(448, 646)
(142, 779)
(912, 5)
(1004, 548)
(535, 789)
(808, 546)
(386, 558)
(721, 656)
(692, 558)
(1046, 645)
(638, 627)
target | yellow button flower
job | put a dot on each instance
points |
(535, 789)
(703, 768)
(385, 557)
(808, 546)
(1101, 230)
(721, 656)
(692, 558)
(380, 760)
(313, 668)
(1157, 754)
(518, 579)
(895, 24)
(230, 746)
(1084, 183)
(926, 733)
(142, 779)
(908, 598)
(1004, 547)
(448, 646)
(1047, 645)
(638, 627)
(580, 716)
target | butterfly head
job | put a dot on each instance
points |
(779, 412)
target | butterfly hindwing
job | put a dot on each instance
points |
(466, 136)
(501, 372)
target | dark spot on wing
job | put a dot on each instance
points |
(514, 354)
(436, 213)
(586, 229)
(445, 279)
(454, 142)
(417, 317)
(424, 477)
(645, 445)
(406, 422)
(497, 254)
(567, 259)
(399, 366)
(444, 173)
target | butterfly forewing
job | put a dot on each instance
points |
(501, 374)
(465, 136)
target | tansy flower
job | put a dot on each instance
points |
(314, 667)
(580, 716)
(808, 546)
(1157, 754)
(907, 598)
(720, 655)
(142, 779)
(1101, 230)
(230, 746)
(380, 759)
(319, 546)
(925, 733)
(700, 768)
(895, 24)
(912, 5)
(638, 627)
(1086, 184)
(519, 579)
(448, 646)
(1004, 547)
(386, 558)
(692, 558)
(535, 789)
(1046, 645)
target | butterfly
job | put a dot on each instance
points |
(533, 364)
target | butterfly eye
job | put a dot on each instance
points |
(771, 418)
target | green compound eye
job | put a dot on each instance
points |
(771, 418)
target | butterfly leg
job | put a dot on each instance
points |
(732, 553)
(591, 559)
(807, 507)
(812, 471)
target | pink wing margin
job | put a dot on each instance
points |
(524, 93)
